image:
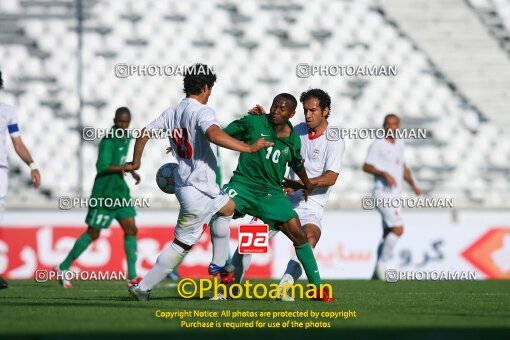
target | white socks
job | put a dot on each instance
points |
(220, 232)
(241, 264)
(386, 247)
(167, 261)
(294, 269)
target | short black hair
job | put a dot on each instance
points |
(321, 95)
(288, 97)
(196, 77)
(390, 115)
(1, 81)
(122, 110)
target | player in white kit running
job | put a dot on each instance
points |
(385, 160)
(322, 160)
(9, 124)
(193, 126)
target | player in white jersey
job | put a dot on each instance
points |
(322, 160)
(9, 124)
(193, 126)
(385, 160)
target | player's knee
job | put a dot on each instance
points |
(93, 233)
(228, 209)
(132, 230)
(397, 231)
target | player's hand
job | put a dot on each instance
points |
(292, 184)
(257, 110)
(417, 191)
(259, 144)
(288, 191)
(136, 177)
(36, 178)
(130, 166)
(389, 179)
(309, 186)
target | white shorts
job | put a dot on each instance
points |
(391, 216)
(195, 213)
(3, 188)
(309, 212)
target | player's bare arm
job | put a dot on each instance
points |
(24, 154)
(137, 153)
(307, 183)
(219, 137)
(327, 179)
(369, 168)
(408, 177)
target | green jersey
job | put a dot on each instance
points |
(264, 170)
(112, 151)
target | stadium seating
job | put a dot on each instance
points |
(255, 57)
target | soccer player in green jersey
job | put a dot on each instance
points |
(256, 186)
(109, 184)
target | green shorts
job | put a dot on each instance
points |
(272, 208)
(101, 218)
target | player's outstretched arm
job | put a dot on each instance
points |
(220, 138)
(369, 168)
(137, 153)
(24, 154)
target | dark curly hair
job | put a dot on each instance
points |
(321, 95)
(196, 77)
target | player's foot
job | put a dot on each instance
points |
(134, 281)
(226, 273)
(219, 297)
(380, 271)
(138, 294)
(325, 296)
(61, 276)
(285, 291)
(3, 284)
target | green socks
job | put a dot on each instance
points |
(79, 247)
(305, 255)
(130, 247)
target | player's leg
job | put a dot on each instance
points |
(293, 230)
(242, 262)
(130, 246)
(195, 212)
(392, 230)
(220, 233)
(96, 220)
(294, 270)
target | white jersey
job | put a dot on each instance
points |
(319, 155)
(187, 123)
(8, 124)
(388, 157)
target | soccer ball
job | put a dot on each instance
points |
(165, 177)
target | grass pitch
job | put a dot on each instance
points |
(418, 309)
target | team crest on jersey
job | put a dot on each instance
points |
(286, 150)
(315, 154)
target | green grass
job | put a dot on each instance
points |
(415, 309)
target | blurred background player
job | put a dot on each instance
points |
(193, 127)
(322, 159)
(110, 183)
(385, 160)
(256, 186)
(9, 124)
